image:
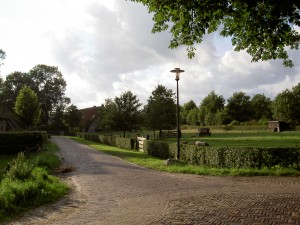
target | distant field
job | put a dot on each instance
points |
(240, 136)
(261, 139)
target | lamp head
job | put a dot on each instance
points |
(177, 71)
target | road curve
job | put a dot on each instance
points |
(109, 191)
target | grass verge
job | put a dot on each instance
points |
(141, 159)
(28, 183)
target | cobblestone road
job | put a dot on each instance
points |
(108, 191)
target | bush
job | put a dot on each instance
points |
(15, 142)
(20, 168)
(26, 185)
(158, 149)
(241, 157)
(125, 143)
(108, 140)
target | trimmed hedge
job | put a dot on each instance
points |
(220, 157)
(227, 157)
(159, 149)
(15, 142)
(125, 143)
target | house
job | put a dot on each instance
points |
(278, 126)
(9, 121)
(89, 119)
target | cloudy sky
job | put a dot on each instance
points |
(105, 47)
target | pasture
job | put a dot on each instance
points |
(240, 136)
(250, 139)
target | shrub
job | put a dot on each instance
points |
(158, 149)
(15, 142)
(241, 157)
(20, 168)
(125, 143)
(26, 185)
(108, 140)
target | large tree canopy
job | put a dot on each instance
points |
(128, 113)
(161, 109)
(46, 81)
(27, 106)
(263, 28)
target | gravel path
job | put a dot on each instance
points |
(109, 191)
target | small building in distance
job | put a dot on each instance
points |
(278, 126)
(89, 119)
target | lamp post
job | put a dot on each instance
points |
(177, 71)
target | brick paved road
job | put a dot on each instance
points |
(108, 191)
(233, 209)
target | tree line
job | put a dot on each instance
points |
(39, 98)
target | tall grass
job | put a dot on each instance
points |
(28, 184)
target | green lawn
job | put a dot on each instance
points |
(254, 139)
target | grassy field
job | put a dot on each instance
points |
(243, 136)
(261, 139)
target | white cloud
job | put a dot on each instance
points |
(105, 47)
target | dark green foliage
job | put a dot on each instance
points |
(264, 29)
(108, 140)
(14, 142)
(241, 157)
(27, 106)
(26, 185)
(20, 168)
(227, 157)
(158, 149)
(125, 143)
(286, 105)
(128, 113)
(160, 112)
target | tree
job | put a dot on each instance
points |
(263, 28)
(185, 110)
(46, 81)
(72, 117)
(27, 107)
(239, 107)
(286, 106)
(211, 104)
(109, 110)
(160, 112)
(128, 114)
(11, 87)
(50, 86)
(192, 117)
(261, 107)
(57, 118)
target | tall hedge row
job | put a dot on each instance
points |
(125, 143)
(15, 142)
(227, 157)
(158, 149)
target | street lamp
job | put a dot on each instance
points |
(177, 71)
